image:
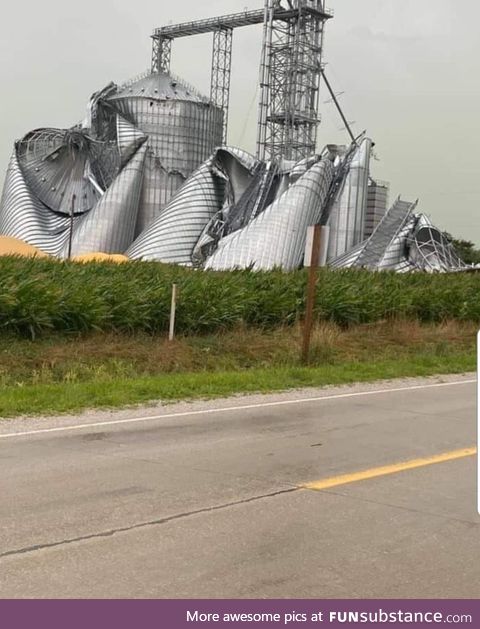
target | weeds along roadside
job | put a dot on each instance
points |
(98, 356)
(67, 330)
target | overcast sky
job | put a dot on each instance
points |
(410, 70)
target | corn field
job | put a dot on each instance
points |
(40, 296)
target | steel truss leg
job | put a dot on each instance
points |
(161, 54)
(221, 73)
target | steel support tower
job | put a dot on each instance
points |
(290, 70)
(222, 28)
(161, 54)
(290, 73)
(221, 72)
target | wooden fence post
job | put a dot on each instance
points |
(173, 313)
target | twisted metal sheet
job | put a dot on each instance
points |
(430, 250)
(179, 234)
(122, 181)
(277, 237)
(403, 242)
(386, 247)
(129, 139)
(54, 165)
(25, 217)
(110, 226)
(173, 236)
(183, 129)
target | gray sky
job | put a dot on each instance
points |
(410, 70)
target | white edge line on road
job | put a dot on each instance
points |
(229, 409)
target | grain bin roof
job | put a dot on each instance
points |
(159, 86)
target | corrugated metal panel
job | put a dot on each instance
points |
(349, 259)
(277, 237)
(377, 205)
(347, 215)
(110, 226)
(129, 139)
(247, 160)
(173, 236)
(386, 246)
(24, 217)
(182, 128)
(396, 253)
(54, 163)
(245, 195)
(394, 246)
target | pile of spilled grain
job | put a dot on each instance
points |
(13, 247)
(101, 257)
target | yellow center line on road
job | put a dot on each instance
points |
(376, 472)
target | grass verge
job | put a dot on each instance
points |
(64, 398)
(61, 375)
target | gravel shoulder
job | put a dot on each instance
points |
(158, 410)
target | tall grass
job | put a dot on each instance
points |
(43, 295)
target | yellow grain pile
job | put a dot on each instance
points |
(100, 257)
(13, 247)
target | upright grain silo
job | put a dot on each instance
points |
(183, 128)
(347, 214)
(377, 205)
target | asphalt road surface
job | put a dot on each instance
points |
(362, 492)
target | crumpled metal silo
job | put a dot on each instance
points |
(172, 237)
(430, 249)
(277, 236)
(183, 128)
(110, 226)
(386, 249)
(97, 187)
(53, 200)
(403, 242)
(24, 217)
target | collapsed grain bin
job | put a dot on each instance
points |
(182, 127)
(149, 174)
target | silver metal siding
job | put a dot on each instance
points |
(173, 236)
(347, 217)
(277, 237)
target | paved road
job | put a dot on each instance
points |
(208, 500)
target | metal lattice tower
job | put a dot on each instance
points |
(221, 72)
(290, 73)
